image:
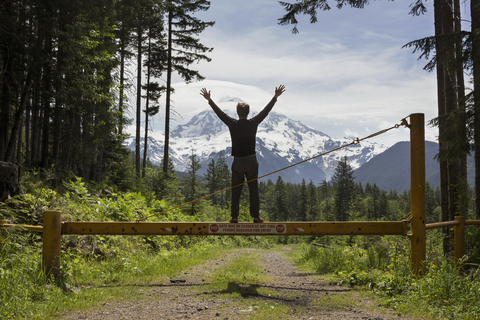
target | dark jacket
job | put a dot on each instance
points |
(243, 131)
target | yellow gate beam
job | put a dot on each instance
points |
(219, 228)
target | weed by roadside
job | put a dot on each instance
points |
(442, 293)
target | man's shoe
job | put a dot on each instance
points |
(234, 220)
(257, 220)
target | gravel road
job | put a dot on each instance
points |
(188, 297)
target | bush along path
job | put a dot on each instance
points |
(243, 284)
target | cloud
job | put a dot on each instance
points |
(345, 73)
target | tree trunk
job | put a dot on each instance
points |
(139, 99)
(46, 97)
(475, 11)
(439, 8)
(16, 128)
(122, 84)
(7, 79)
(9, 180)
(36, 121)
(450, 106)
(461, 118)
(167, 103)
(145, 143)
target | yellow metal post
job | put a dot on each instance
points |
(417, 191)
(52, 231)
(459, 239)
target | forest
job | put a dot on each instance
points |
(74, 74)
(99, 269)
(65, 81)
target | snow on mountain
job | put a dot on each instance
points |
(281, 142)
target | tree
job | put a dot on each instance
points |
(218, 178)
(267, 194)
(281, 205)
(475, 14)
(344, 187)
(303, 199)
(156, 65)
(455, 50)
(56, 82)
(375, 193)
(166, 185)
(142, 14)
(191, 184)
(224, 176)
(325, 191)
(451, 120)
(213, 182)
(183, 48)
(125, 24)
(313, 208)
(382, 205)
(430, 204)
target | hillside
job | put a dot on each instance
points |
(281, 142)
(391, 169)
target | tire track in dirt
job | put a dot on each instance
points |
(187, 296)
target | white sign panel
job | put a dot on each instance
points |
(247, 228)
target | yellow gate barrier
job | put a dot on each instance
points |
(54, 228)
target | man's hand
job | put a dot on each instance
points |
(279, 91)
(205, 94)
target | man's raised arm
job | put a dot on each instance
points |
(205, 94)
(222, 115)
(279, 91)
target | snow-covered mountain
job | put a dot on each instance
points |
(281, 142)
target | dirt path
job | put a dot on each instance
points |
(189, 296)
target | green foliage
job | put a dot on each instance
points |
(241, 270)
(446, 294)
(442, 292)
(124, 207)
(96, 261)
(76, 188)
(22, 281)
(380, 263)
(344, 187)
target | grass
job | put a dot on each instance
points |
(442, 293)
(243, 269)
(240, 280)
(85, 282)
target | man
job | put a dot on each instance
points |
(245, 165)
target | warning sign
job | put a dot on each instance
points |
(247, 228)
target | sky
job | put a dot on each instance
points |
(346, 75)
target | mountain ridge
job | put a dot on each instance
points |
(391, 169)
(281, 142)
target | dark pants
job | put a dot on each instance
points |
(245, 167)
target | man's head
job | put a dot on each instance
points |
(242, 110)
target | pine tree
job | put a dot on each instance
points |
(455, 50)
(269, 201)
(303, 199)
(224, 176)
(313, 208)
(475, 14)
(375, 193)
(213, 180)
(183, 48)
(281, 204)
(344, 186)
(382, 205)
(192, 186)
(155, 64)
